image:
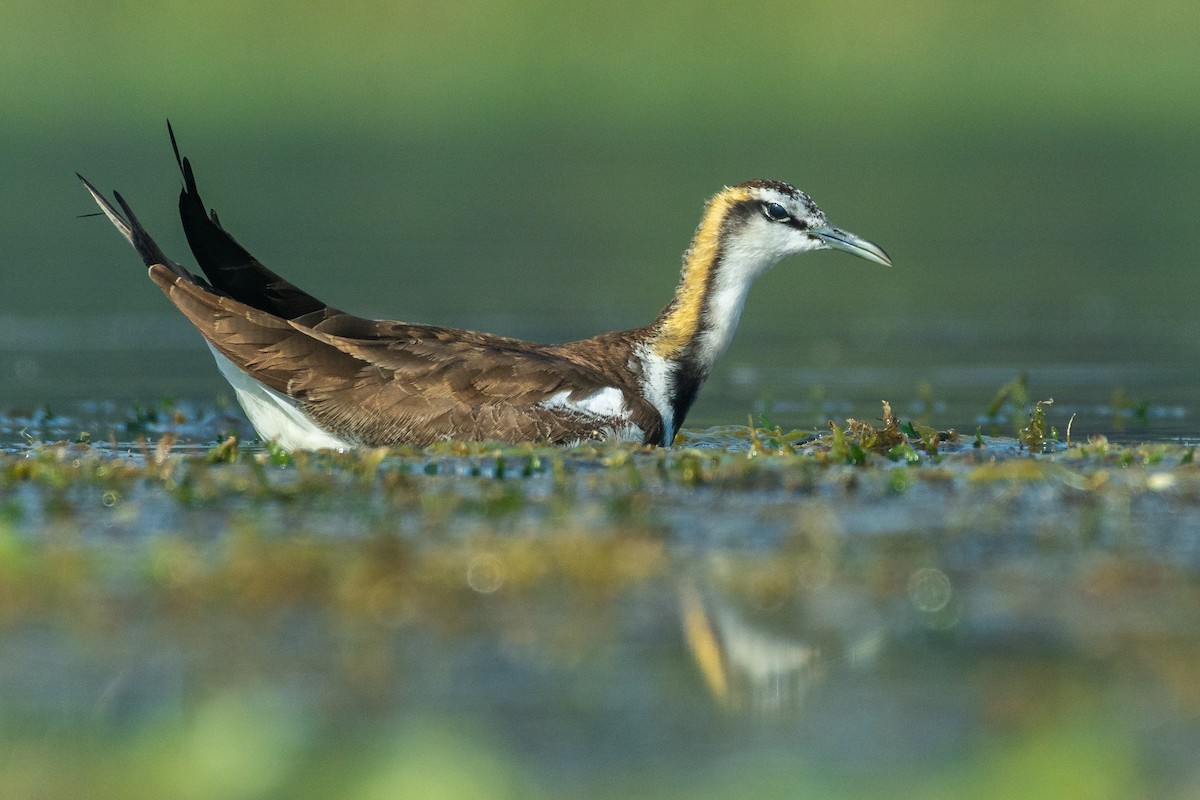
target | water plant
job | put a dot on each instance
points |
(1033, 434)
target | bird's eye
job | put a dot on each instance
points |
(775, 212)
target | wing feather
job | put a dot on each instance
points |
(383, 392)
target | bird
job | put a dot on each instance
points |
(312, 377)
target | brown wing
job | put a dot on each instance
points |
(416, 385)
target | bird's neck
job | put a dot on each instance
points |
(698, 323)
(695, 328)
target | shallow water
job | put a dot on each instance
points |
(1129, 385)
(709, 621)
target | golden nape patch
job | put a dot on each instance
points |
(683, 320)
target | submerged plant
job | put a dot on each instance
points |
(844, 448)
(225, 452)
(1034, 435)
(766, 439)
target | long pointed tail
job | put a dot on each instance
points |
(133, 231)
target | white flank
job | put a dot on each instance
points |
(608, 403)
(658, 377)
(276, 417)
(605, 407)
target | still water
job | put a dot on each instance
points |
(1127, 384)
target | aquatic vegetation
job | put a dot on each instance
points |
(1125, 409)
(1034, 434)
(494, 481)
(498, 616)
(1012, 398)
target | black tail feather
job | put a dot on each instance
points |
(226, 263)
(174, 146)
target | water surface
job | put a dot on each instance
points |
(708, 621)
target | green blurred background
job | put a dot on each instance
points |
(537, 169)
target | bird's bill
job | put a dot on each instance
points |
(839, 239)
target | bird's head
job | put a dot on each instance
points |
(746, 230)
(764, 221)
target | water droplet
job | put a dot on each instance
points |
(929, 589)
(485, 574)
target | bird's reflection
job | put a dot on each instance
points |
(765, 662)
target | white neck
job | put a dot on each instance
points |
(695, 328)
(731, 281)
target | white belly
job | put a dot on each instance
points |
(276, 417)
